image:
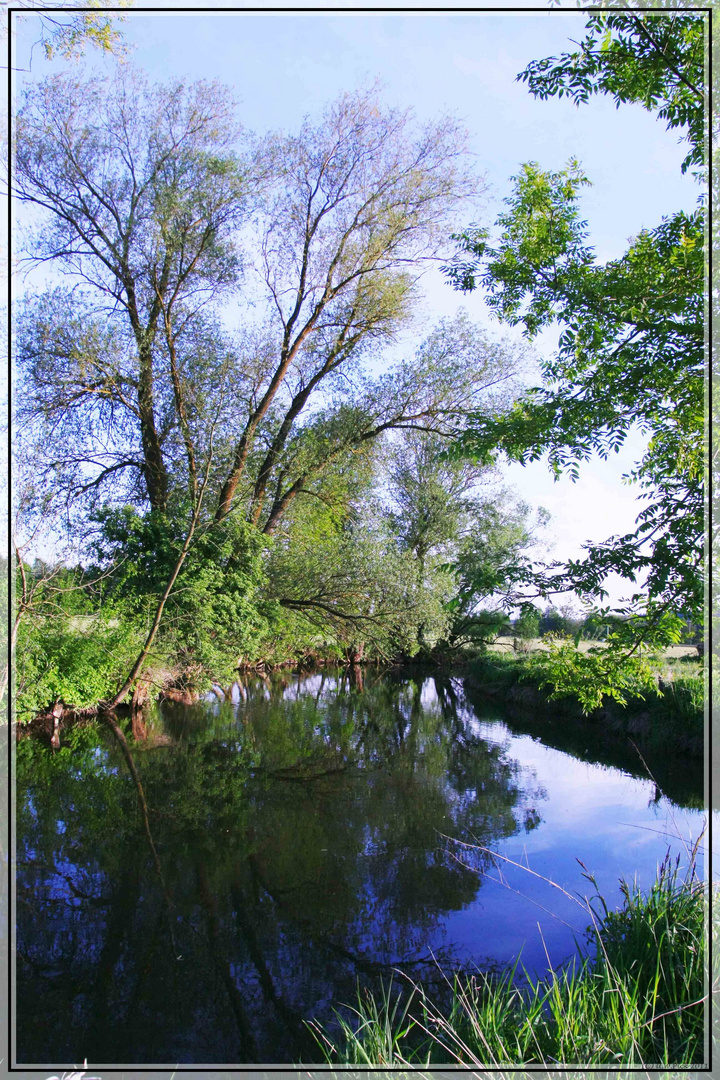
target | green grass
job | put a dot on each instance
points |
(683, 692)
(639, 1001)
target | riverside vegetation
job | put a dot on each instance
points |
(241, 463)
(639, 999)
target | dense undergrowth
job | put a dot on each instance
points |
(638, 999)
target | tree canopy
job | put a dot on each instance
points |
(147, 201)
(68, 34)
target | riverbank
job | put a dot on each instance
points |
(640, 1000)
(670, 720)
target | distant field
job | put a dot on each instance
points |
(505, 644)
(84, 623)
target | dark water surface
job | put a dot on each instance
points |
(307, 836)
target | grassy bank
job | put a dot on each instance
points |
(639, 1000)
(669, 720)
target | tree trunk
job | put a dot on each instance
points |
(156, 478)
(137, 666)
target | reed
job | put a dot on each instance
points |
(637, 999)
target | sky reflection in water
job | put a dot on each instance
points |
(310, 833)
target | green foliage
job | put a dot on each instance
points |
(684, 695)
(631, 351)
(469, 546)
(594, 675)
(541, 231)
(650, 58)
(632, 344)
(351, 585)
(565, 621)
(434, 501)
(491, 560)
(73, 643)
(149, 399)
(214, 616)
(76, 659)
(527, 624)
(624, 665)
(657, 940)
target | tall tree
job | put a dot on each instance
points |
(132, 385)
(143, 193)
(632, 344)
(355, 212)
(468, 540)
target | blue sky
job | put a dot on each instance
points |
(284, 66)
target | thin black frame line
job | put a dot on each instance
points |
(343, 11)
(13, 10)
(10, 678)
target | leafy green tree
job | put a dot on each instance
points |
(527, 624)
(354, 589)
(490, 568)
(454, 368)
(469, 546)
(552, 621)
(130, 386)
(632, 342)
(563, 621)
(433, 496)
(142, 191)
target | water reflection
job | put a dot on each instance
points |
(299, 832)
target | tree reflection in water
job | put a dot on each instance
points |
(299, 831)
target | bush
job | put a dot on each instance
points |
(78, 660)
(213, 616)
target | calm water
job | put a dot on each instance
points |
(308, 835)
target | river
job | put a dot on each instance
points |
(317, 832)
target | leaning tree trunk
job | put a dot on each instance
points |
(138, 665)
